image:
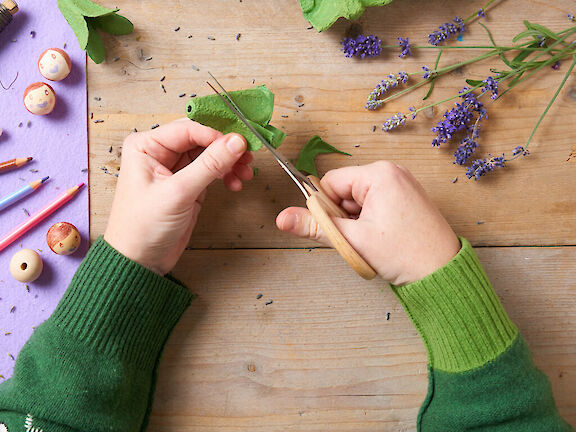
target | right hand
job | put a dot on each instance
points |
(393, 224)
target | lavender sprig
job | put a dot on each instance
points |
(458, 118)
(384, 86)
(447, 30)
(481, 167)
(491, 85)
(394, 122)
(404, 44)
(362, 46)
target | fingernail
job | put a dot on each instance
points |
(235, 145)
(288, 222)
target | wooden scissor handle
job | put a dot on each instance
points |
(323, 209)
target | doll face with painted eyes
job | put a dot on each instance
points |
(54, 64)
(40, 99)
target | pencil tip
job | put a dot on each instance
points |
(45, 178)
(29, 159)
(80, 185)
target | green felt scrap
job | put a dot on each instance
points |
(313, 148)
(323, 13)
(85, 17)
(257, 105)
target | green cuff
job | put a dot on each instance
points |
(119, 307)
(458, 314)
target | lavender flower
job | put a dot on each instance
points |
(394, 122)
(490, 85)
(427, 73)
(447, 30)
(571, 17)
(413, 111)
(556, 65)
(362, 46)
(520, 150)
(467, 147)
(390, 82)
(458, 118)
(482, 167)
(404, 44)
(481, 14)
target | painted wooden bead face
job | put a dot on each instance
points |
(63, 238)
(26, 265)
(54, 64)
(39, 98)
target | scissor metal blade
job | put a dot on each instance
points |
(290, 169)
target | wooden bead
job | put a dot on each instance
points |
(26, 266)
(63, 238)
(54, 64)
(39, 98)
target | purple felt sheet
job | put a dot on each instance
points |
(58, 144)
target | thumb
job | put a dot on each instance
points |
(300, 222)
(213, 163)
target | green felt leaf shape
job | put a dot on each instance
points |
(113, 24)
(323, 13)
(87, 8)
(306, 159)
(95, 47)
(85, 16)
(76, 21)
(257, 105)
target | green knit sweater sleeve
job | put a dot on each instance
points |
(481, 373)
(92, 365)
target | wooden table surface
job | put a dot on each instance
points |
(323, 356)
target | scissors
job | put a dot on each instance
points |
(321, 206)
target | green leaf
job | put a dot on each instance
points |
(95, 47)
(525, 53)
(544, 31)
(525, 34)
(76, 21)
(87, 8)
(313, 148)
(114, 24)
(474, 83)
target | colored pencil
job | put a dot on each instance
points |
(38, 217)
(21, 193)
(14, 163)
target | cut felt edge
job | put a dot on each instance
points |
(322, 14)
(87, 7)
(315, 146)
(256, 103)
(95, 47)
(76, 21)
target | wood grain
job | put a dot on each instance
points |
(532, 203)
(323, 356)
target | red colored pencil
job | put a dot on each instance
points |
(14, 163)
(38, 217)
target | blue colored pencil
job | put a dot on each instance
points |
(21, 193)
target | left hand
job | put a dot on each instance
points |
(162, 185)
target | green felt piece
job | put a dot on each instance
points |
(257, 105)
(88, 8)
(76, 21)
(95, 47)
(113, 24)
(314, 147)
(458, 314)
(508, 394)
(323, 13)
(84, 16)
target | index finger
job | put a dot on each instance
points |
(168, 142)
(346, 184)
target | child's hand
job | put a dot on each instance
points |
(162, 185)
(398, 229)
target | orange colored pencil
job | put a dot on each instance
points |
(14, 163)
(38, 217)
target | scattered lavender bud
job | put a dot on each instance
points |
(155, 126)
